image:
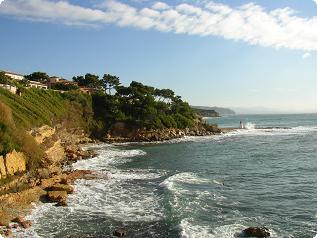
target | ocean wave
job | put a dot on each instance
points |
(269, 131)
(116, 200)
(250, 130)
(183, 178)
(189, 229)
(107, 157)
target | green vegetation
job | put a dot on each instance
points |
(141, 106)
(65, 87)
(37, 76)
(34, 108)
(4, 79)
(137, 105)
(89, 80)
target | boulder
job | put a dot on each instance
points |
(59, 197)
(3, 173)
(61, 187)
(15, 162)
(26, 224)
(258, 232)
(120, 232)
(18, 219)
(8, 233)
(43, 173)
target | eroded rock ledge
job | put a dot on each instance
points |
(49, 183)
(122, 133)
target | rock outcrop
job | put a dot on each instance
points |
(3, 171)
(258, 232)
(11, 164)
(42, 133)
(15, 162)
(60, 197)
(121, 133)
(46, 183)
(55, 153)
(120, 232)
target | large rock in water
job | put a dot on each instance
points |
(58, 196)
(120, 232)
(258, 232)
(61, 187)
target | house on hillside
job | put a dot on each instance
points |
(55, 79)
(35, 84)
(14, 76)
(8, 87)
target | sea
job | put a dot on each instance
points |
(197, 187)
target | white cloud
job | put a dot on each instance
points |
(160, 6)
(306, 55)
(1, 1)
(251, 23)
(315, 1)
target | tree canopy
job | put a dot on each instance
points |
(110, 82)
(4, 79)
(65, 87)
(89, 80)
(37, 76)
(142, 105)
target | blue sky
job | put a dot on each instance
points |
(238, 54)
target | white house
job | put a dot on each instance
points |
(14, 76)
(35, 84)
(12, 89)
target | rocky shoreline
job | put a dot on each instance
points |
(51, 183)
(120, 133)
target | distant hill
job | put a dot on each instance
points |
(220, 110)
(206, 113)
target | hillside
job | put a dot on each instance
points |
(206, 113)
(35, 108)
(129, 114)
(222, 111)
(42, 130)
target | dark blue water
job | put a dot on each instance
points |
(198, 186)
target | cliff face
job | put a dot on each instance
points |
(60, 146)
(12, 164)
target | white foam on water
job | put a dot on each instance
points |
(107, 157)
(115, 196)
(182, 178)
(38, 212)
(190, 230)
(117, 200)
(301, 130)
(136, 174)
(249, 126)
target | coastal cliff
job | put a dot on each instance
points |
(42, 131)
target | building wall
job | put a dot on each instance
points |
(33, 84)
(12, 89)
(15, 76)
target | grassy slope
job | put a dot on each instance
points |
(34, 108)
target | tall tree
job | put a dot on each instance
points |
(110, 82)
(89, 80)
(37, 76)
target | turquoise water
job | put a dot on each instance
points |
(198, 186)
